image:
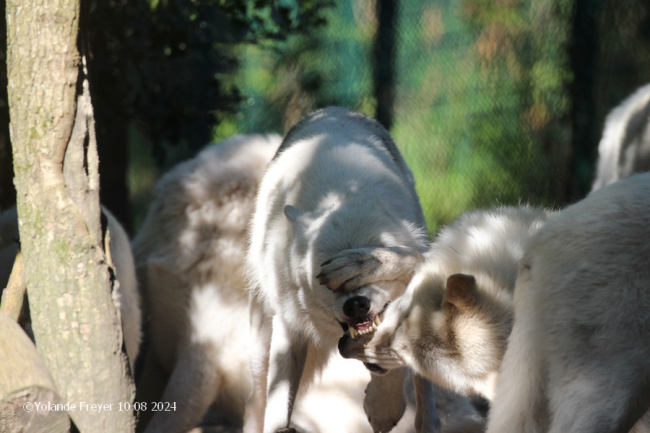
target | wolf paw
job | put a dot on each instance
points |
(348, 269)
(286, 430)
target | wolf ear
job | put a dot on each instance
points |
(295, 216)
(292, 213)
(460, 291)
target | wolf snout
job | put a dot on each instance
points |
(348, 348)
(356, 307)
(351, 348)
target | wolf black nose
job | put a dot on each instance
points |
(356, 307)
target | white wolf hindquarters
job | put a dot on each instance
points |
(453, 322)
(126, 296)
(190, 255)
(337, 183)
(624, 148)
(578, 359)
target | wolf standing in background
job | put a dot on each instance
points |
(338, 192)
(624, 148)
(189, 256)
(578, 358)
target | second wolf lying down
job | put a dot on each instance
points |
(453, 322)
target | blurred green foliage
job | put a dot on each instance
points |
(173, 59)
(480, 104)
(161, 75)
(483, 88)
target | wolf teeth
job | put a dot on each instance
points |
(354, 332)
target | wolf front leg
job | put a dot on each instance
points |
(385, 400)
(357, 267)
(426, 415)
(520, 404)
(258, 357)
(192, 387)
(286, 364)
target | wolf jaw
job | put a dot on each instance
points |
(364, 326)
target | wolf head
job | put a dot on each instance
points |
(452, 331)
(314, 243)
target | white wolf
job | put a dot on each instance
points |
(338, 195)
(453, 322)
(127, 294)
(190, 255)
(578, 358)
(625, 146)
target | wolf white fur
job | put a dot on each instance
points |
(127, 295)
(578, 358)
(338, 192)
(453, 322)
(625, 146)
(190, 254)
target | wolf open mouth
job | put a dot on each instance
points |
(365, 325)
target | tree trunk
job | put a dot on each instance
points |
(75, 320)
(584, 59)
(384, 61)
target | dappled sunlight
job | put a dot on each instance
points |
(210, 312)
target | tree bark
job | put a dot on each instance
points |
(74, 317)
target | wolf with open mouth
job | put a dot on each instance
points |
(336, 233)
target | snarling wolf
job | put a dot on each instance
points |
(337, 199)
